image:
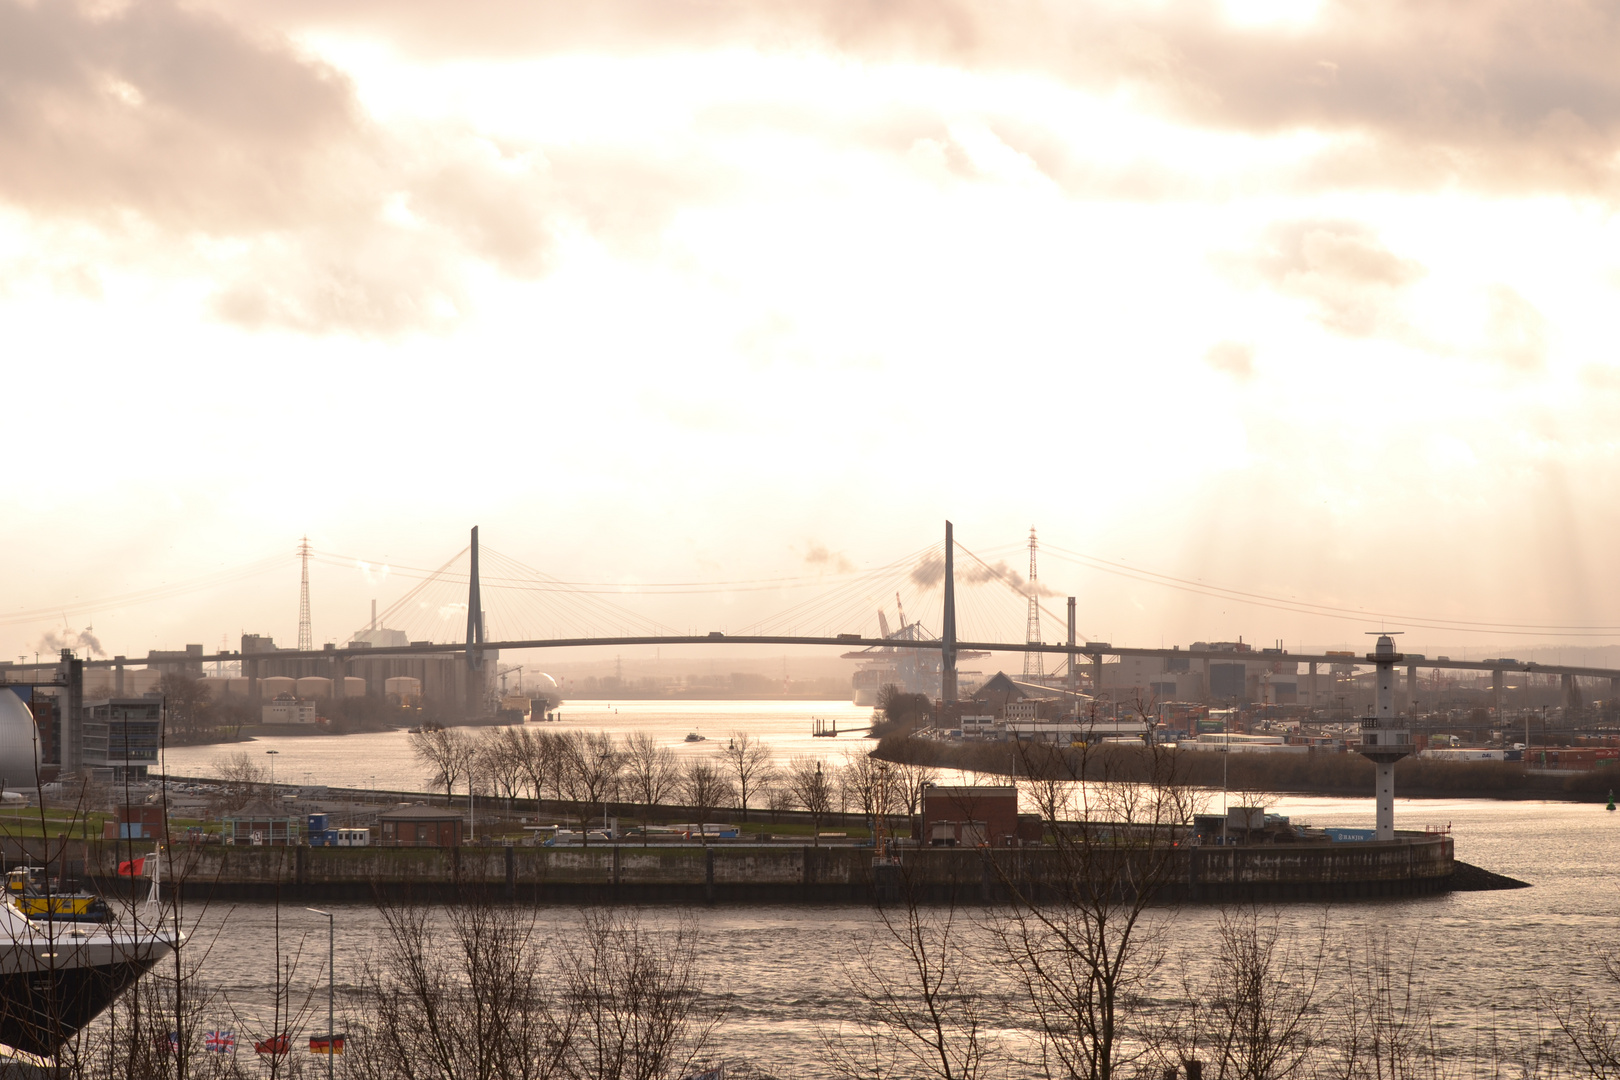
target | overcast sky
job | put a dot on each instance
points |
(1310, 301)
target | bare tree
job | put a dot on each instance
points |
(632, 996)
(241, 778)
(1589, 1031)
(496, 764)
(587, 767)
(812, 785)
(535, 755)
(923, 1015)
(187, 706)
(862, 785)
(462, 993)
(448, 752)
(1083, 951)
(704, 787)
(908, 780)
(651, 773)
(748, 760)
(1383, 1027)
(1253, 1011)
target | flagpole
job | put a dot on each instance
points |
(331, 1024)
(153, 898)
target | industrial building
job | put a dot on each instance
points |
(121, 737)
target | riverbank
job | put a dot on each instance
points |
(1269, 775)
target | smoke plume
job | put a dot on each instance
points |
(818, 555)
(53, 642)
(930, 571)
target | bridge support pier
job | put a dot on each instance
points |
(1411, 689)
(1074, 676)
(1206, 680)
(1310, 687)
(1496, 693)
(118, 676)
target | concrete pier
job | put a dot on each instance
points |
(1412, 864)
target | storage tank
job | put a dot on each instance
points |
(19, 743)
(314, 686)
(403, 689)
(353, 686)
(275, 685)
(231, 687)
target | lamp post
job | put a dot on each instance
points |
(331, 1025)
(272, 754)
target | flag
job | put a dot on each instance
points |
(321, 1044)
(276, 1044)
(220, 1042)
(133, 868)
(167, 1044)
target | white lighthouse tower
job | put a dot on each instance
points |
(1385, 740)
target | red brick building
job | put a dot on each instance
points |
(420, 826)
(976, 816)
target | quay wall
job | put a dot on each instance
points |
(761, 873)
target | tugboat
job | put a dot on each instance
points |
(37, 898)
(693, 736)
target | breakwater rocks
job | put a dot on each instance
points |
(1412, 865)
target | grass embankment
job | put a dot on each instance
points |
(30, 823)
(1308, 774)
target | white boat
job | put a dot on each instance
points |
(55, 978)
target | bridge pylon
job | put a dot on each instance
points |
(947, 657)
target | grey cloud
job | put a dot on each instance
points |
(1352, 282)
(1492, 93)
(254, 160)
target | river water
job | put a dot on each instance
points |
(383, 759)
(1485, 957)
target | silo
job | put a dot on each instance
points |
(314, 686)
(353, 686)
(275, 685)
(19, 743)
(145, 681)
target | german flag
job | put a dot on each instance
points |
(326, 1044)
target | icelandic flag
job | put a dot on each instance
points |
(220, 1042)
(133, 868)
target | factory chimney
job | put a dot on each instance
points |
(1384, 739)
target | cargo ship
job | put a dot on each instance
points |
(915, 671)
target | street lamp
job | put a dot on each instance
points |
(331, 1025)
(272, 754)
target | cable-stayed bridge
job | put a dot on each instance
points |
(479, 602)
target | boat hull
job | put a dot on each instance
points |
(41, 1009)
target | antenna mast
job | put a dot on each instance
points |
(1034, 664)
(306, 639)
